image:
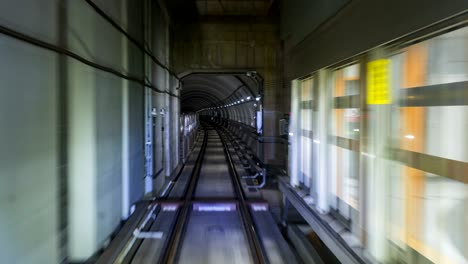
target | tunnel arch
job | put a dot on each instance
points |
(232, 95)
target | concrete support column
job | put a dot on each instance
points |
(294, 134)
(322, 139)
(377, 172)
(125, 125)
(82, 170)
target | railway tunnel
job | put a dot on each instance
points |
(233, 131)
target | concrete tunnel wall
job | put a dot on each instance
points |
(312, 46)
(73, 136)
(215, 44)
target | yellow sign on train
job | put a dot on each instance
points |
(378, 82)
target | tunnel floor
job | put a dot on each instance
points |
(214, 223)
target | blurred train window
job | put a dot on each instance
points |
(428, 189)
(344, 140)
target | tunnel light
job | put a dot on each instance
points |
(223, 207)
(214, 208)
(409, 136)
(255, 105)
(259, 207)
(238, 102)
(258, 98)
(170, 208)
(368, 155)
(242, 100)
(248, 97)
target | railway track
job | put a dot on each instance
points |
(204, 215)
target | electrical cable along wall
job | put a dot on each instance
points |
(74, 83)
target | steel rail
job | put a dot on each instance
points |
(132, 246)
(174, 240)
(172, 246)
(254, 241)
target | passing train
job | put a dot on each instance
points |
(379, 141)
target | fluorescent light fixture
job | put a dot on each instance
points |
(242, 100)
(291, 134)
(248, 97)
(258, 98)
(409, 136)
(356, 130)
(316, 141)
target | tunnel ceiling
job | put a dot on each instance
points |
(193, 9)
(233, 7)
(205, 90)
